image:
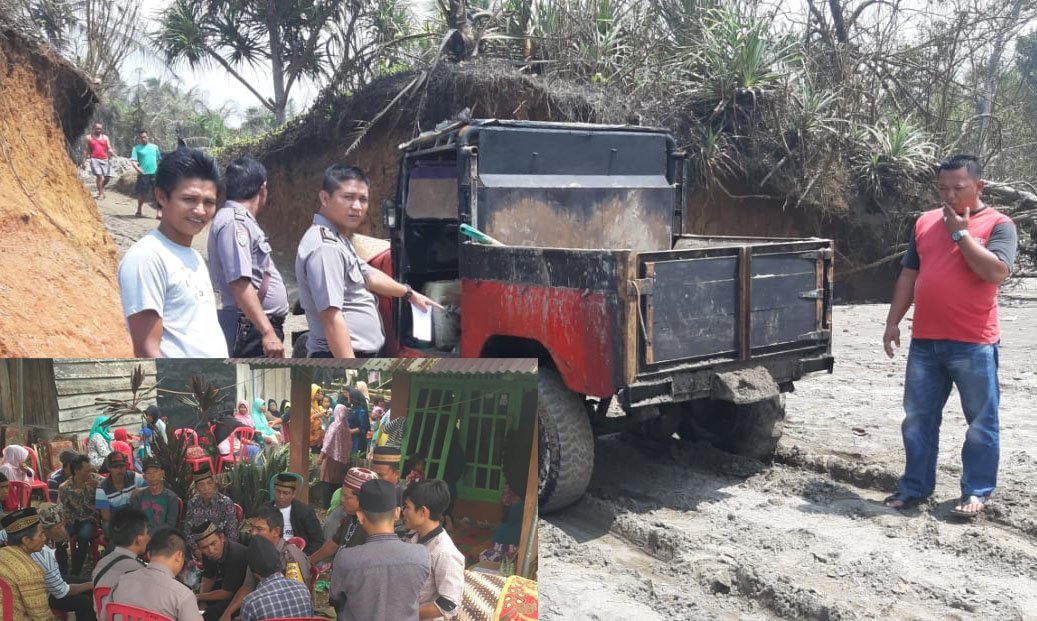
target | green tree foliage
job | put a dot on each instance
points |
(294, 38)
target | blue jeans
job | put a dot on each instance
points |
(932, 366)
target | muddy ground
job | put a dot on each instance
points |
(117, 211)
(678, 531)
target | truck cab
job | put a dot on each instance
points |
(597, 277)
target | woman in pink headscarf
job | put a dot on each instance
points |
(334, 453)
(244, 419)
(13, 466)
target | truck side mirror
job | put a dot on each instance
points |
(389, 213)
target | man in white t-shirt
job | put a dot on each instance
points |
(167, 296)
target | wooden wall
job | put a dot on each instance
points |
(78, 382)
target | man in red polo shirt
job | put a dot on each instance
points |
(96, 157)
(956, 259)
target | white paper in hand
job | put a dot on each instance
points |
(422, 323)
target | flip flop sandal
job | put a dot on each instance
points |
(970, 500)
(906, 502)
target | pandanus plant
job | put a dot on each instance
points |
(204, 397)
(171, 451)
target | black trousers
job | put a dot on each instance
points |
(81, 604)
(248, 342)
(214, 610)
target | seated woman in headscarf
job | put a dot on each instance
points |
(261, 425)
(99, 442)
(226, 425)
(122, 444)
(273, 415)
(13, 466)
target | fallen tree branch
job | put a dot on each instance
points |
(861, 268)
(1022, 199)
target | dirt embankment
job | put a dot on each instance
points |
(678, 531)
(388, 112)
(58, 290)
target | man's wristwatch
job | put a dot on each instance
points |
(957, 236)
(408, 294)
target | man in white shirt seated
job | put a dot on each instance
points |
(61, 595)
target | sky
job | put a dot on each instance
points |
(217, 86)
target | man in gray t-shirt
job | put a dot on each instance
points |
(336, 288)
(241, 266)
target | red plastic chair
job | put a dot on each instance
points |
(239, 512)
(126, 612)
(99, 594)
(191, 434)
(38, 484)
(192, 437)
(239, 434)
(7, 603)
(125, 449)
(21, 493)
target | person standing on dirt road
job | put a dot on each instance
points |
(242, 269)
(958, 256)
(336, 287)
(96, 158)
(167, 298)
(145, 158)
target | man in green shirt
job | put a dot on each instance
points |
(158, 502)
(145, 159)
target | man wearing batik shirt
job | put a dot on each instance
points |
(208, 504)
(423, 505)
(24, 538)
(275, 597)
(60, 475)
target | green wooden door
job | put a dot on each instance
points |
(483, 411)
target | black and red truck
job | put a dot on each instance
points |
(598, 278)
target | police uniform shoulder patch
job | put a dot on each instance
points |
(242, 236)
(328, 235)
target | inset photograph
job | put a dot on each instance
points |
(303, 489)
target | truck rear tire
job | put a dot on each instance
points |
(751, 429)
(565, 443)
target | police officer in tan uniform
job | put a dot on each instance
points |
(337, 288)
(255, 299)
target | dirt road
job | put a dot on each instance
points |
(117, 212)
(672, 531)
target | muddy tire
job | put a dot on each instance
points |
(751, 429)
(565, 443)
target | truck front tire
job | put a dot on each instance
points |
(565, 443)
(751, 429)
